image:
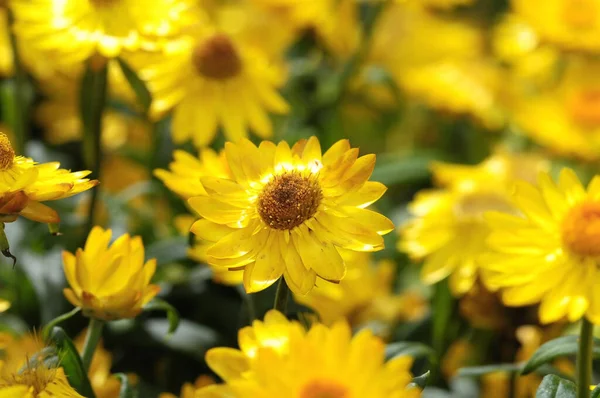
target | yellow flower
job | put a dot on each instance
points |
(24, 184)
(188, 390)
(78, 29)
(364, 295)
(214, 79)
(316, 363)
(483, 309)
(459, 354)
(448, 230)
(109, 282)
(573, 24)
(287, 211)
(548, 253)
(564, 117)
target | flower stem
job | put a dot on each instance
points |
(584, 359)
(281, 296)
(92, 338)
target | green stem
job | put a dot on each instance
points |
(281, 296)
(92, 103)
(584, 359)
(92, 338)
(19, 100)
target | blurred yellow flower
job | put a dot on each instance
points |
(572, 24)
(565, 117)
(188, 390)
(444, 4)
(78, 29)
(320, 362)
(448, 230)
(458, 355)
(364, 295)
(109, 282)
(483, 309)
(288, 210)
(214, 79)
(547, 253)
(24, 184)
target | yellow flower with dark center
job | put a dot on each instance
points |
(448, 230)
(109, 282)
(288, 210)
(78, 29)
(548, 254)
(321, 362)
(572, 24)
(24, 184)
(214, 79)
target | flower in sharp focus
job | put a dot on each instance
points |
(288, 210)
(24, 184)
(109, 282)
(548, 253)
(321, 362)
(448, 230)
(214, 79)
(78, 29)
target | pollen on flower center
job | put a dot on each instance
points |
(288, 200)
(216, 58)
(37, 377)
(7, 153)
(584, 107)
(581, 229)
(324, 389)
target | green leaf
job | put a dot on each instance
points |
(71, 362)
(59, 319)
(420, 381)
(409, 348)
(553, 386)
(402, 168)
(596, 392)
(139, 87)
(477, 371)
(560, 347)
(127, 389)
(172, 314)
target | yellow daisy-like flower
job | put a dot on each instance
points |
(548, 253)
(288, 210)
(448, 230)
(573, 24)
(109, 282)
(212, 80)
(321, 362)
(78, 29)
(24, 184)
(364, 295)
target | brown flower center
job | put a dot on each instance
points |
(288, 200)
(580, 14)
(581, 229)
(7, 153)
(584, 107)
(324, 389)
(216, 58)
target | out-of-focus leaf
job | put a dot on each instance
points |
(138, 86)
(162, 305)
(92, 100)
(168, 250)
(420, 381)
(403, 168)
(409, 348)
(560, 347)
(56, 321)
(553, 386)
(596, 392)
(190, 338)
(127, 389)
(442, 315)
(71, 362)
(476, 371)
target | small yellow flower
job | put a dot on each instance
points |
(448, 230)
(109, 282)
(221, 80)
(78, 29)
(288, 210)
(24, 184)
(364, 295)
(321, 362)
(572, 24)
(548, 252)
(188, 390)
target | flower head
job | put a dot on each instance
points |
(286, 211)
(109, 282)
(24, 184)
(321, 362)
(548, 252)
